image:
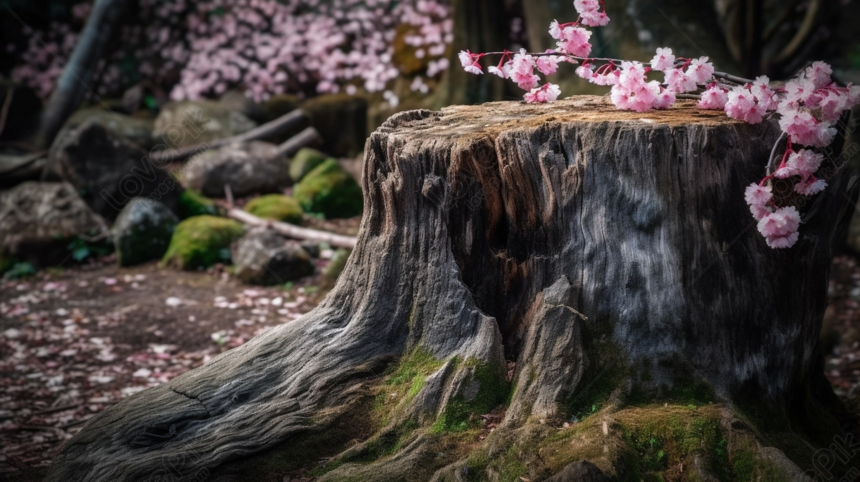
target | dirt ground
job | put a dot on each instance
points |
(75, 341)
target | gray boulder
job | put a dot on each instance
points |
(134, 129)
(253, 167)
(142, 231)
(188, 123)
(38, 220)
(264, 257)
(108, 171)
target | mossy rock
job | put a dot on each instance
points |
(335, 267)
(305, 161)
(276, 207)
(201, 241)
(330, 191)
(192, 203)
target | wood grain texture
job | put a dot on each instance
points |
(565, 236)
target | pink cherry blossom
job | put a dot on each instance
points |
(470, 62)
(741, 105)
(663, 60)
(503, 72)
(832, 104)
(595, 19)
(713, 98)
(583, 6)
(758, 195)
(810, 186)
(679, 82)
(633, 92)
(759, 211)
(545, 93)
(548, 65)
(786, 172)
(585, 72)
(799, 90)
(764, 95)
(522, 71)
(819, 73)
(805, 162)
(555, 31)
(805, 130)
(781, 242)
(664, 99)
(781, 222)
(700, 70)
(574, 41)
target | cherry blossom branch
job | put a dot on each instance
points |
(773, 153)
(576, 59)
(807, 107)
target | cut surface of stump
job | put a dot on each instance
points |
(609, 254)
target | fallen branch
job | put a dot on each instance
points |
(7, 103)
(284, 123)
(289, 230)
(305, 138)
(10, 164)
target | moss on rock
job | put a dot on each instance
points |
(201, 241)
(330, 191)
(335, 267)
(305, 161)
(276, 207)
(192, 203)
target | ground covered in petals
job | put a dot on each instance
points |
(73, 342)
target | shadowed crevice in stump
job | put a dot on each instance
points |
(597, 248)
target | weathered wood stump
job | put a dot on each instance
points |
(609, 254)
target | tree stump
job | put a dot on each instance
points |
(609, 254)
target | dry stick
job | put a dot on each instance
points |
(305, 138)
(228, 195)
(7, 103)
(10, 164)
(292, 231)
(281, 124)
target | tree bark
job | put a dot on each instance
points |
(74, 83)
(594, 247)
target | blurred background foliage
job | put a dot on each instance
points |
(157, 47)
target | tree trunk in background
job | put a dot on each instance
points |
(479, 26)
(74, 83)
(610, 254)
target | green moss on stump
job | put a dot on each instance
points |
(461, 414)
(330, 191)
(192, 204)
(276, 207)
(405, 379)
(201, 241)
(305, 161)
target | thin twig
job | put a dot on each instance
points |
(773, 152)
(7, 103)
(289, 230)
(228, 195)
